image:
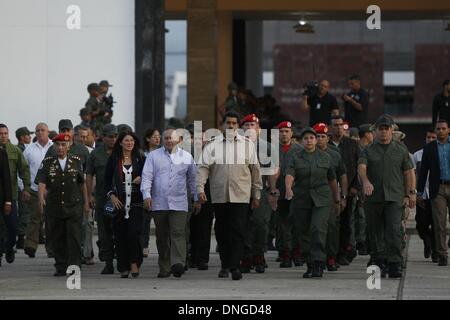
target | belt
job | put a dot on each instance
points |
(445, 182)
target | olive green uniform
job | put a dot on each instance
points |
(384, 209)
(333, 222)
(81, 152)
(96, 166)
(312, 200)
(64, 208)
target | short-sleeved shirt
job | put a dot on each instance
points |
(320, 108)
(62, 184)
(312, 173)
(353, 116)
(96, 166)
(386, 165)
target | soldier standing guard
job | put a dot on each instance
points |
(62, 177)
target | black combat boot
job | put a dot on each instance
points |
(395, 270)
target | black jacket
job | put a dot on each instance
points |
(349, 150)
(5, 179)
(430, 163)
(114, 178)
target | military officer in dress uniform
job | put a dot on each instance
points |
(62, 177)
(315, 189)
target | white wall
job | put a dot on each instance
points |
(45, 67)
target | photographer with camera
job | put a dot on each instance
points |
(356, 102)
(320, 102)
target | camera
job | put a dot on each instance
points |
(311, 89)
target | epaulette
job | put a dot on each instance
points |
(75, 157)
(48, 158)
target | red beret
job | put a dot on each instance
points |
(320, 128)
(61, 137)
(250, 118)
(284, 124)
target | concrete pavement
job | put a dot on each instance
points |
(32, 279)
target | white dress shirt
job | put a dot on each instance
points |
(34, 154)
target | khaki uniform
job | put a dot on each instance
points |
(384, 209)
(312, 200)
(64, 208)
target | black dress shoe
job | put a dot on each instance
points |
(202, 266)
(236, 275)
(443, 261)
(224, 273)
(108, 269)
(395, 270)
(427, 252)
(135, 274)
(30, 252)
(163, 274)
(124, 274)
(308, 273)
(10, 255)
(177, 270)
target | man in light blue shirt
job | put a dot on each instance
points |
(166, 174)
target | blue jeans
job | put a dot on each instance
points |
(10, 220)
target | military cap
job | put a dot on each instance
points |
(284, 124)
(384, 120)
(320, 128)
(109, 129)
(307, 130)
(104, 83)
(249, 118)
(65, 124)
(23, 131)
(61, 137)
(365, 128)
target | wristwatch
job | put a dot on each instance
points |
(414, 191)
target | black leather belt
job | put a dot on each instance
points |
(445, 182)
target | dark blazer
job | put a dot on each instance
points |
(114, 176)
(430, 163)
(5, 179)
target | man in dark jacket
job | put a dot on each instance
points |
(436, 164)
